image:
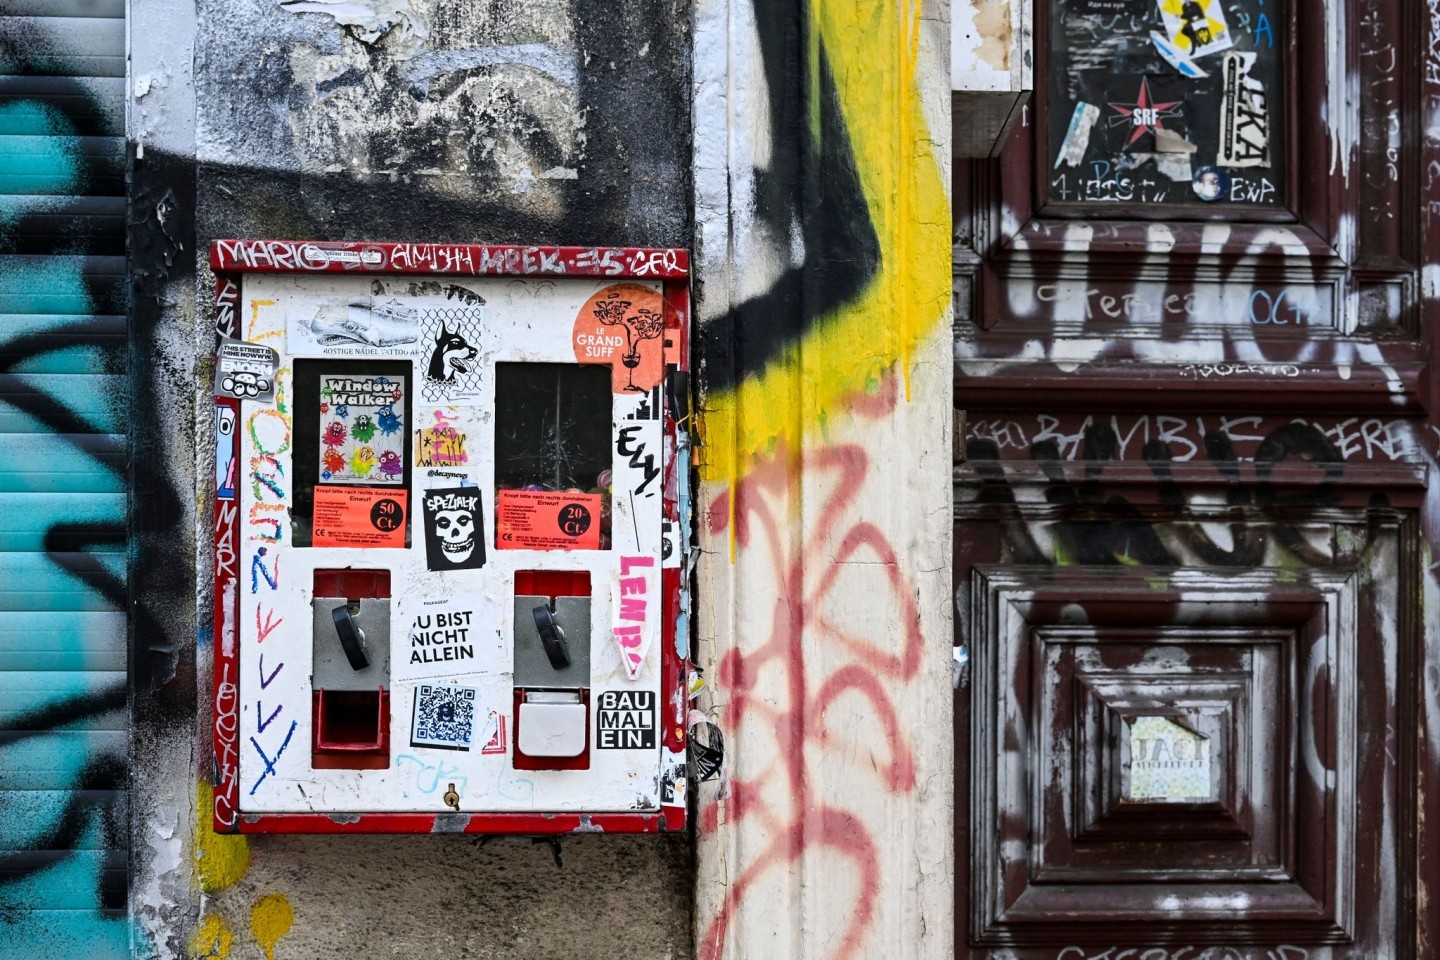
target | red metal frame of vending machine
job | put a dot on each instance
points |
(450, 576)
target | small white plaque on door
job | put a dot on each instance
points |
(1167, 762)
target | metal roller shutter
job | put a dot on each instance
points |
(64, 821)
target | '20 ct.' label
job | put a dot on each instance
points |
(544, 520)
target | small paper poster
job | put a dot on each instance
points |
(354, 326)
(360, 517)
(542, 520)
(362, 433)
(447, 637)
(1168, 762)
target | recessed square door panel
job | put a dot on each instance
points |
(1162, 748)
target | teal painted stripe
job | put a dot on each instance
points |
(25, 518)
(25, 338)
(99, 402)
(61, 464)
(90, 934)
(81, 359)
(87, 226)
(55, 761)
(22, 692)
(63, 641)
(69, 880)
(58, 165)
(22, 810)
(44, 284)
(30, 581)
(69, 883)
(14, 325)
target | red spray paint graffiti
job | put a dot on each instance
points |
(798, 656)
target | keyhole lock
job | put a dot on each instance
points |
(352, 638)
(552, 637)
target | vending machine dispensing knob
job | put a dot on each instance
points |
(552, 638)
(352, 638)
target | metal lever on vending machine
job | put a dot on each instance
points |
(352, 638)
(552, 638)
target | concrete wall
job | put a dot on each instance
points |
(426, 120)
(823, 609)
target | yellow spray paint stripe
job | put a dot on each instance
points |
(848, 352)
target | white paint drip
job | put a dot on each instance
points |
(1337, 113)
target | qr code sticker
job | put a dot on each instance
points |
(444, 718)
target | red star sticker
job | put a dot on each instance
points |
(1153, 112)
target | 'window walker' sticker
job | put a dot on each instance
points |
(246, 371)
(359, 517)
(362, 433)
(542, 520)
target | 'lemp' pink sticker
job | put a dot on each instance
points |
(633, 615)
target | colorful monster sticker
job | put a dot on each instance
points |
(368, 444)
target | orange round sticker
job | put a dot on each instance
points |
(624, 325)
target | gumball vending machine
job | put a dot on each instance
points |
(451, 515)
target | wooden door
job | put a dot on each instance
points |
(1191, 353)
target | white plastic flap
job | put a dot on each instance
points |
(551, 729)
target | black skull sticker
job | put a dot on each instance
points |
(454, 529)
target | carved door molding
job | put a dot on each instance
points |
(1197, 446)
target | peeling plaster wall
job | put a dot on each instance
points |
(507, 122)
(545, 121)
